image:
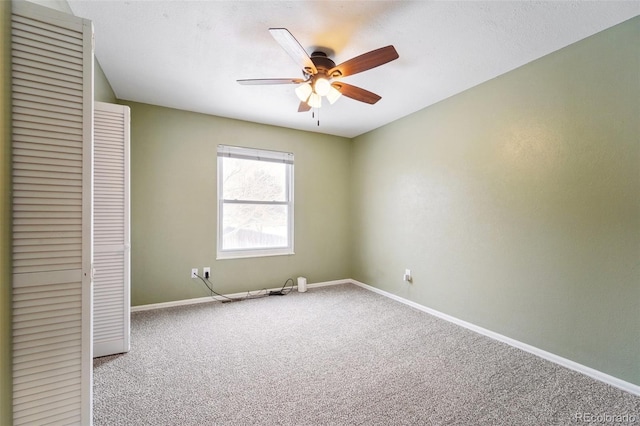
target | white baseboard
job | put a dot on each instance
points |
(185, 302)
(327, 283)
(598, 375)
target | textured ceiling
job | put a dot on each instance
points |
(189, 54)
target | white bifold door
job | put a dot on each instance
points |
(111, 282)
(52, 128)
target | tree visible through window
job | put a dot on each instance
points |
(255, 202)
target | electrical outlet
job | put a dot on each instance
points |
(194, 273)
(407, 275)
(206, 272)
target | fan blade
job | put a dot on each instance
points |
(357, 93)
(254, 81)
(364, 62)
(303, 107)
(289, 43)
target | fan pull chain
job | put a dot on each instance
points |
(313, 115)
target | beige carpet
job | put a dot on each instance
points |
(338, 355)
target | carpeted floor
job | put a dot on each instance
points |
(338, 355)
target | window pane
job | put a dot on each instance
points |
(254, 180)
(250, 226)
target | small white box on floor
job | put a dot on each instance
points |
(302, 284)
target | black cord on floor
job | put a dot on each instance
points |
(249, 295)
(282, 291)
(206, 283)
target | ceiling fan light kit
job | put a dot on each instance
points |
(321, 74)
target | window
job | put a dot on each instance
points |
(255, 202)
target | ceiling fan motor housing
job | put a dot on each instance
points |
(323, 63)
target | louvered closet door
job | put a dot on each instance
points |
(111, 295)
(52, 115)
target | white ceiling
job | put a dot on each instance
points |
(188, 54)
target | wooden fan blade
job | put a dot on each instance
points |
(255, 81)
(303, 107)
(357, 93)
(290, 45)
(364, 62)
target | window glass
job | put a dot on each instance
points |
(254, 180)
(254, 226)
(255, 202)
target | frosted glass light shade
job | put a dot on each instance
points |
(315, 100)
(303, 91)
(322, 86)
(333, 95)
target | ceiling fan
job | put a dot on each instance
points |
(321, 76)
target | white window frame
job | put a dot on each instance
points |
(227, 151)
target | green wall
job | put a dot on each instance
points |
(174, 208)
(516, 204)
(5, 214)
(102, 90)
